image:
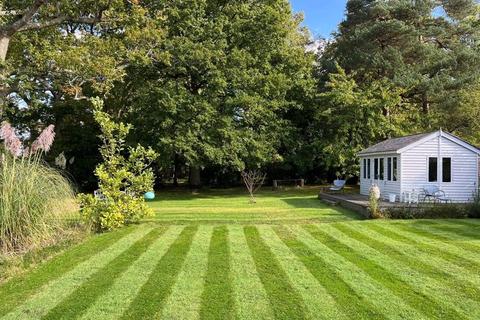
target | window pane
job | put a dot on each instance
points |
(364, 168)
(389, 169)
(375, 171)
(447, 169)
(368, 168)
(382, 168)
(395, 169)
(432, 169)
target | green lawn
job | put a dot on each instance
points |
(232, 206)
(215, 256)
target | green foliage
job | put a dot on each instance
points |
(122, 179)
(440, 211)
(429, 57)
(396, 68)
(35, 203)
(221, 96)
(465, 116)
(352, 117)
(473, 208)
(222, 86)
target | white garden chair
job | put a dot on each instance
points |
(338, 185)
(411, 196)
(433, 193)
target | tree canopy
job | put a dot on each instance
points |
(222, 86)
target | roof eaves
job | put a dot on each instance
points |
(377, 152)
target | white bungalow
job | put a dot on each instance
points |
(409, 164)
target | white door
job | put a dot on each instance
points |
(379, 174)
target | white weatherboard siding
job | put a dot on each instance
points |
(464, 168)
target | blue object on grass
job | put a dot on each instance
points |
(149, 195)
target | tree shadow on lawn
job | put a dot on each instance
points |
(314, 203)
(233, 193)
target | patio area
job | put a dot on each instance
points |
(359, 203)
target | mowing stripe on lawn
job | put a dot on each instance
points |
(319, 303)
(425, 245)
(458, 231)
(475, 223)
(251, 300)
(113, 303)
(430, 262)
(465, 243)
(421, 292)
(151, 298)
(79, 300)
(405, 234)
(185, 299)
(352, 288)
(17, 290)
(54, 292)
(285, 301)
(217, 296)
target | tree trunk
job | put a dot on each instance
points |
(176, 170)
(195, 180)
(4, 42)
(425, 103)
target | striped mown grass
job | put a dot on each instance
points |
(217, 298)
(285, 300)
(16, 291)
(442, 268)
(341, 269)
(185, 300)
(52, 293)
(389, 274)
(150, 299)
(86, 294)
(251, 298)
(114, 302)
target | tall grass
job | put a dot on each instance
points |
(34, 203)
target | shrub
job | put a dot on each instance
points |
(473, 208)
(122, 179)
(439, 211)
(35, 200)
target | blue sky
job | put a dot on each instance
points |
(321, 16)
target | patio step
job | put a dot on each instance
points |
(330, 202)
(350, 201)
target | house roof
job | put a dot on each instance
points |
(394, 144)
(404, 143)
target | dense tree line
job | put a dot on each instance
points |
(217, 86)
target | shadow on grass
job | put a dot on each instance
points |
(207, 193)
(315, 203)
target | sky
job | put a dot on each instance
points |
(321, 16)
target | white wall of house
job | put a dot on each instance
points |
(389, 183)
(464, 168)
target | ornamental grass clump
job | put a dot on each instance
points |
(35, 199)
(124, 177)
(373, 199)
